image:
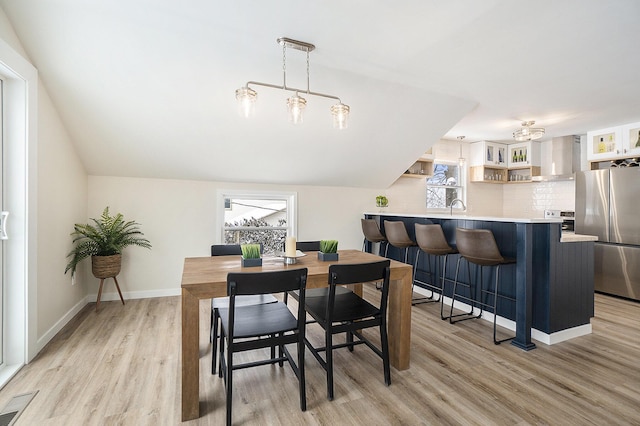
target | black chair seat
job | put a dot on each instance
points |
(259, 320)
(347, 307)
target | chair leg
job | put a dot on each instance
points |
(384, 341)
(442, 287)
(301, 378)
(467, 315)
(229, 382)
(495, 311)
(349, 336)
(329, 363)
(215, 315)
(429, 299)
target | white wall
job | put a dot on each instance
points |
(179, 216)
(62, 201)
(61, 189)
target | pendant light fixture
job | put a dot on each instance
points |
(528, 133)
(296, 104)
(461, 159)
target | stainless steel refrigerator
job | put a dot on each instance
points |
(608, 206)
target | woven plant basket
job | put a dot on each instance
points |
(106, 266)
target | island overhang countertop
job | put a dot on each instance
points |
(566, 237)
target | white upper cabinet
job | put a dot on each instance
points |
(523, 154)
(485, 153)
(631, 139)
(614, 142)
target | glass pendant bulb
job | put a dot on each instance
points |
(296, 105)
(340, 113)
(246, 101)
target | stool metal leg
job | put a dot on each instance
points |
(466, 315)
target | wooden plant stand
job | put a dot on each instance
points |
(100, 291)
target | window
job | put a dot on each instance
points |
(256, 217)
(446, 184)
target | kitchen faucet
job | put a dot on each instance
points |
(455, 201)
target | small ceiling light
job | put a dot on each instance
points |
(340, 113)
(247, 97)
(246, 101)
(528, 133)
(296, 105)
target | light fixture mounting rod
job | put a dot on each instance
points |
(296, 44)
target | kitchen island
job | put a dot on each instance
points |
(550, 289)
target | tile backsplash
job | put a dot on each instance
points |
(532, 199)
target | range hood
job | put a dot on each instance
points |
(562, 160)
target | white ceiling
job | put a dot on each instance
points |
(146, 87)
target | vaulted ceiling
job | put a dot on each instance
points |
(146, 87)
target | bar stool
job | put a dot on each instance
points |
(397, 237)
(478, 246)
(372, 234)
(431, 240)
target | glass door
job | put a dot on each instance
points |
(2, 298)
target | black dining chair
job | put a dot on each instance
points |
(246, 328)
(349, 313)
(218, 303)
(308, 245)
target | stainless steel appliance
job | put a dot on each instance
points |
(608, 206)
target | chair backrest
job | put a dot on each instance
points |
(371, 231)
(356, 273)
(396, 233)
(246, 283)
(478, 246)
(431, 239)
(227, 249)
(308, 245)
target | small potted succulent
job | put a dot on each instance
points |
(382, 201)
(251, 255)
(328, 250)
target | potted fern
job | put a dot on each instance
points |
(328, 250)
(251, 255)
(104, 241)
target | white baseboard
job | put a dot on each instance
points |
(147, 294)
(545, 338)
(46, 337)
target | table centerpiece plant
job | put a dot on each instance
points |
(328, 250)
(251, 255)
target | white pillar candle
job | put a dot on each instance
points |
(290, 247)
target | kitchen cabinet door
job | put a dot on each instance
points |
(604, 144)
(631, 139)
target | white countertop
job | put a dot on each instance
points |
(468, 217)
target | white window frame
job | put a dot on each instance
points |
(461, 186)
(290, 197)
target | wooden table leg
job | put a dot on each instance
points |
(190, 356)
(399, 324)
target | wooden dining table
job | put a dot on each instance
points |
(206, 277)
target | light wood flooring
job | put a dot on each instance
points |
(122, 367)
